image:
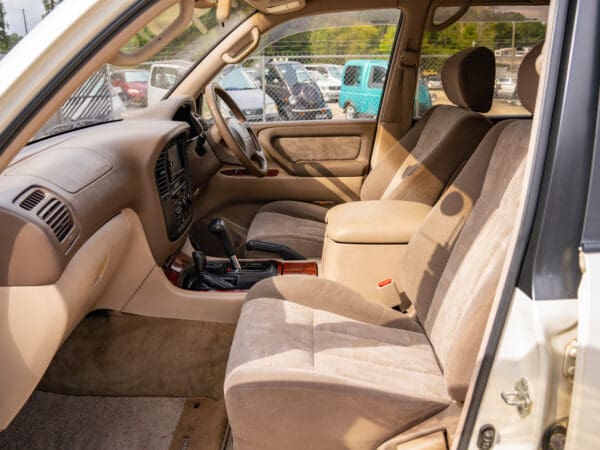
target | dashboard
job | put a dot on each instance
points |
(87, 218)
(61, 190)
(174, 185)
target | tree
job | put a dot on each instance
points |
(49, 5)
(4, 36)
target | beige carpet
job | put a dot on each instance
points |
(55, 421)
(125, 355)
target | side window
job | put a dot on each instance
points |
(352, 75)
(510, 32)
(377, 77)
(299, 67)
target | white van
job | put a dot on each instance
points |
(163, 76)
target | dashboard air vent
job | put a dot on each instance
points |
(58, 217)
(32, 200)
(162, 181)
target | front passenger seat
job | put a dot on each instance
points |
(417, 169)
(324, 368)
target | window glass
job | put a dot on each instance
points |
(301, 66)
(113, 92)
(352, 75)
(378, 74)
(509, 31)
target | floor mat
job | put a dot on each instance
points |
(54, 421)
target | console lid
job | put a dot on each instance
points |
(375, 221)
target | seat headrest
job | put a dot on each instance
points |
(527, 81)
(468, 78)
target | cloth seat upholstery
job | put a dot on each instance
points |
(418, 168)
(302, 375)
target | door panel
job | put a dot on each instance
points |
(319, 149)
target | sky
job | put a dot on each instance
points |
(33, 12)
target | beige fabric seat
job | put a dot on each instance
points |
(417, 169)
(315, 365)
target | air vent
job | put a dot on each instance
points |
(58, 217)
(32, 200)
(162, 181)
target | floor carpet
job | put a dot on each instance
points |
(55, 421)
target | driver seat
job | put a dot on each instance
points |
(417, 169)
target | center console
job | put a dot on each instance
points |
(200, 273)
(174, 185)
(365, 242)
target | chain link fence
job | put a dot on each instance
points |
(281, 88)
(506, 100)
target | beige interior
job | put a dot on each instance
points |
(365, 242)
(375, 377)
(330, 344)
(417, 168)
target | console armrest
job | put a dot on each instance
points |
(375, 221)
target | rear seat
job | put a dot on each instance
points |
(315, 365)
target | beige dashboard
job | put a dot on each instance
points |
(104, 235)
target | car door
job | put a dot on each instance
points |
(323, 160)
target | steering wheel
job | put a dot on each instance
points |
(235, 131)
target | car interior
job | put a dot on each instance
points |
(183, 279)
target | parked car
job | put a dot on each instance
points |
(362, 88)
(131, 86)
(297, 95)
(330, 87)
(329, 71)
(506, 88)
(163, 76)
(244, 91)
(434, 82)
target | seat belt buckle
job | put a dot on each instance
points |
(390, 295)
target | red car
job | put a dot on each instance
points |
(133, 86)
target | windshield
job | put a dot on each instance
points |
(113, 92)
(335, 71)
(294, 73)
(316, 75)
(235, 79)
(136, 77)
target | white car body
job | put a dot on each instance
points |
(329, 87)
(163, 76)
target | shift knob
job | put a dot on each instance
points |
(218, 227)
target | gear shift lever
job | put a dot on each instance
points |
(218, 227)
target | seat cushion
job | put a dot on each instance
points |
(298, 225)
(328, 295)
(366, 382)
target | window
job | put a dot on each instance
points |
(509, 31)
(352, 75)
(378, 74)
(112, 92)
(300, 66)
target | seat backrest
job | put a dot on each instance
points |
(421, 164)
(461, 249)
